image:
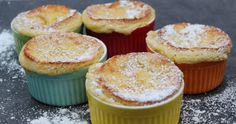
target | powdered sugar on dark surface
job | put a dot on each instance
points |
(216, 107)
(17, 106)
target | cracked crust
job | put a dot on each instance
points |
(186, 43)
(135, 79)
(120, 16)
(46, 19)
(59, 53)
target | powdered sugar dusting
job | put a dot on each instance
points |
(7, 52)
(123, 9)
(142, 81)
(88, 54)
(24, 22)
(188, 37)
(135, 13)
(192, 36)
(60, 48)
(147, 95)
(215, 107)
(60, 116)
(14, 95)
(71, 12)
(125, 3)
(193, 30)
(6, 40)
(132, 13)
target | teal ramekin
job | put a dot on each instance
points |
(60, 90)
(21, 39)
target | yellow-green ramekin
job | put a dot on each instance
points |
(167, 112)
(60, 90)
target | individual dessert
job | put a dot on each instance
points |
(121, 25)
(56, 65)
(43, 20)
(200, 51)
(135, 88)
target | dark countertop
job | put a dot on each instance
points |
(218, 106)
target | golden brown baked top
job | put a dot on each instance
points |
(46, 19)
(109, 17)
(119, 10)
(59, 53)
(135, 79)
(190, 43)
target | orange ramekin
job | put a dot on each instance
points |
(201, 77)
(118, 43)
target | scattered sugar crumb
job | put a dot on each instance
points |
(14, 77)
(215, 107)
(60, 116)
(196, 119)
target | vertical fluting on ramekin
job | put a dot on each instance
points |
(201, 77)
(106, 113)
(61, 89)
(118, 43)
(117, 96)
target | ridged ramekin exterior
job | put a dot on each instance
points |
(201, 77)
(121, 44)
(103, 113)
(59, 90)
(21, 39)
